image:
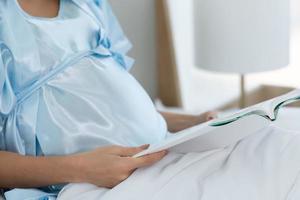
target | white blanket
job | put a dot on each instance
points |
(264, 166)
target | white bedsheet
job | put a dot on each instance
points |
(264, 166)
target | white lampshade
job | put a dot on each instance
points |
(241, 36)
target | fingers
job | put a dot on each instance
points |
(125, 151)
(128, 152)
(149, 159)
(211, 115)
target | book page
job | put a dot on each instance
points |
(258, 109)
(283, 100)
(265, 109)
(205, 137)
(223, 136)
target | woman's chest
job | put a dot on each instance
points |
(49, 43)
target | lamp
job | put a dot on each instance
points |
(241, 36)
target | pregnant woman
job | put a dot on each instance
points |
(66, 97)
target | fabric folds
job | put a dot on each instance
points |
(7, 95)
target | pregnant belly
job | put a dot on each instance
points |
(92, 104)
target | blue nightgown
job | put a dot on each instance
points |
(65, 86)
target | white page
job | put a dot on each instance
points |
(264, 108)
(223, 136)
(204, 137)
(256, 108)
(291, 95)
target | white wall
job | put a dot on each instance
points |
(138, 21)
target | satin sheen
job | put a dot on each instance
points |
(64, 83)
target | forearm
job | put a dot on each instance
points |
(178, 122)
(18, 171)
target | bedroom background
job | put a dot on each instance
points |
(139, 18)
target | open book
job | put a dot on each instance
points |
(222, 132)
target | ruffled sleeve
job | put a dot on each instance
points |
(112, 35)
(119, 41)
(7, 95)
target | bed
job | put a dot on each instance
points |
(262, 166)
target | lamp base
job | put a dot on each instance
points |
(242, 91)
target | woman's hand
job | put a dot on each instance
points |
(179, 122)
(205, 117)
(108, 166)
(105, 167)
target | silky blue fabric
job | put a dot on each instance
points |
(65, 86)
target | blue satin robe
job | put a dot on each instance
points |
(65, 86)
